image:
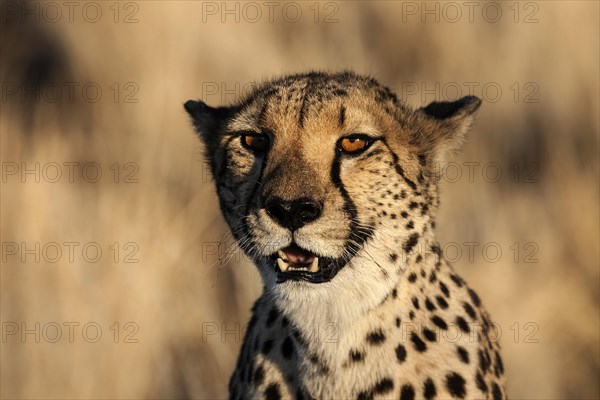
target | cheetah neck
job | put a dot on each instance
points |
(328, 320)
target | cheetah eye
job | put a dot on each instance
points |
(354, 144)
(257, 143)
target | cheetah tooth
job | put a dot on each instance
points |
(282, 255)
(283, 266)
(314, 267)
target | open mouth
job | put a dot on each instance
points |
(293, 258)
(295, 263)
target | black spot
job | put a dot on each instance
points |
(469, 310)
(401, 353)
(429, 390)
(376, 337)
(463, 354)
(273, 314)
(441, 302)
(439, 322)
(395, 293)
(412, 205)
(259, 375)
(410, 225)
(407, 392)
(496, 392)
(356, 356)
(474, 297)
(411, 242)
(342, 117)
(432, 277)
(462, 324)
(483, 361)
(412, 277)
(393, 257)
(398, 321)
(436, 250)
(481, 383)
(411, 315)
(415, 302)
(429, 305)
(272, 392)
(383, 386)
(419, 344)
(298, 337)
(457, 281)
(456, 385)
(287, 348)
(393, 216)
(419, 258)
(429, 334)
(267, 345)
(404, 214)
(323, 368)
(486, 324)
(444, 289)
(499, 368)
(365, 396)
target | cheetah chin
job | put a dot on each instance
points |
(294, 263)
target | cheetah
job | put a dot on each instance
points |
(329, 184)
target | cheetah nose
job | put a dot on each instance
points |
(293, 214)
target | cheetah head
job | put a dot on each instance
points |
(324, 179)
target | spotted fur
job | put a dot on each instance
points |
(388, 318)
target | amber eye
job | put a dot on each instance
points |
(256, 142)
(354, 144)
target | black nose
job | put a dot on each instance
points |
(292, 214)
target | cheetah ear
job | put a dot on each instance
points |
(445, 124)
(207, 120)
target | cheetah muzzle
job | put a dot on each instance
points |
(329, 184)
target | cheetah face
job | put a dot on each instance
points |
(321, 173)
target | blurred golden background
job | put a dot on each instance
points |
(118, 277)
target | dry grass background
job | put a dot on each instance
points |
(179, 289)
